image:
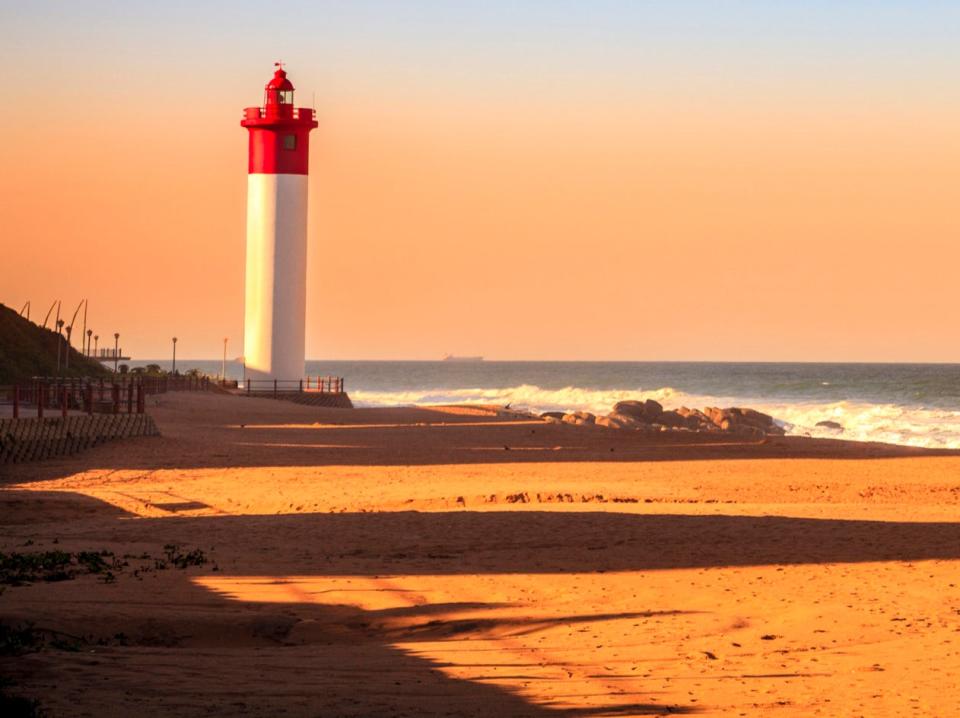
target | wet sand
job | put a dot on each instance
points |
(454, 562)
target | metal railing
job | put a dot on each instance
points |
(108, 353)
(297, 113)
(312, 384)
(123, 395)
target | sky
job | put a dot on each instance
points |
(606, 180)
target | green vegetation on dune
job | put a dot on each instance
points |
(27, 350)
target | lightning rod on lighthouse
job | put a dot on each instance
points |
(276, 264)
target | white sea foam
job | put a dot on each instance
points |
(890, 423)
(519, 397)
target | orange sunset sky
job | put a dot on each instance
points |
(558, 180)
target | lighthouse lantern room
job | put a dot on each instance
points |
(276, 262)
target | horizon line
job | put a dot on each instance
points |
(596, 361)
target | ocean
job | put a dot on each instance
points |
(909, 404)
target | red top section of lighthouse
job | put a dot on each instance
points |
(279, 132)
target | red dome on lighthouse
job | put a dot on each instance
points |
(280, 81)
(278, 94)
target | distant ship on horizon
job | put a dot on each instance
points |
(451, 357)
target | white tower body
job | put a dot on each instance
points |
(276, 287)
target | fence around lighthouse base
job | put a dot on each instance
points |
(322, 391)
(309, 385)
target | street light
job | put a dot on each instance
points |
(66, 359)
(86, 305)
(174, 370)
(223, 366)
(96, 342)
(89, 334)
(116, 350)
(60, 324)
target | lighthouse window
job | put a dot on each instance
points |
(286, 97)
(289, 142)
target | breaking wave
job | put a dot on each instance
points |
(519, 397)
(861, 421)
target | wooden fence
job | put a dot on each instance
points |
(33, 438)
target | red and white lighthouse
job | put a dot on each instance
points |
(276, 272)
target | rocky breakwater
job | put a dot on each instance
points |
(650, 415)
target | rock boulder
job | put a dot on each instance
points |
(749, 421)
(579, 418)
(833, 425)
(645, 411)
(615, 420)
(696, 419)
(672, 419)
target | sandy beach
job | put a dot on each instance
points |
(461, 562)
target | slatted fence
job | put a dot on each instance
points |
(33, 438)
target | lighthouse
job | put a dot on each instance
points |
(276, 265)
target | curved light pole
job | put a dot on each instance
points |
(60, 324)
(73, 319)
(86, 305)
(66, 356)
(49, 312)
(116, 350)
(174, 370)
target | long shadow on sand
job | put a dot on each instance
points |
(372, 673)
(410, 543)
(347, 667)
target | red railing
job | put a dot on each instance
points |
(123, 395)
(314, 384)
(297, 113)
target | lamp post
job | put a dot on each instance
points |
(116, 350)
(86, 303)
(60, 324)
(96, 342)
(223, 366)
(66, 358)
(89, 334)
(174, 370)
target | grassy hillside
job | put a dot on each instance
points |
(27, 350)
